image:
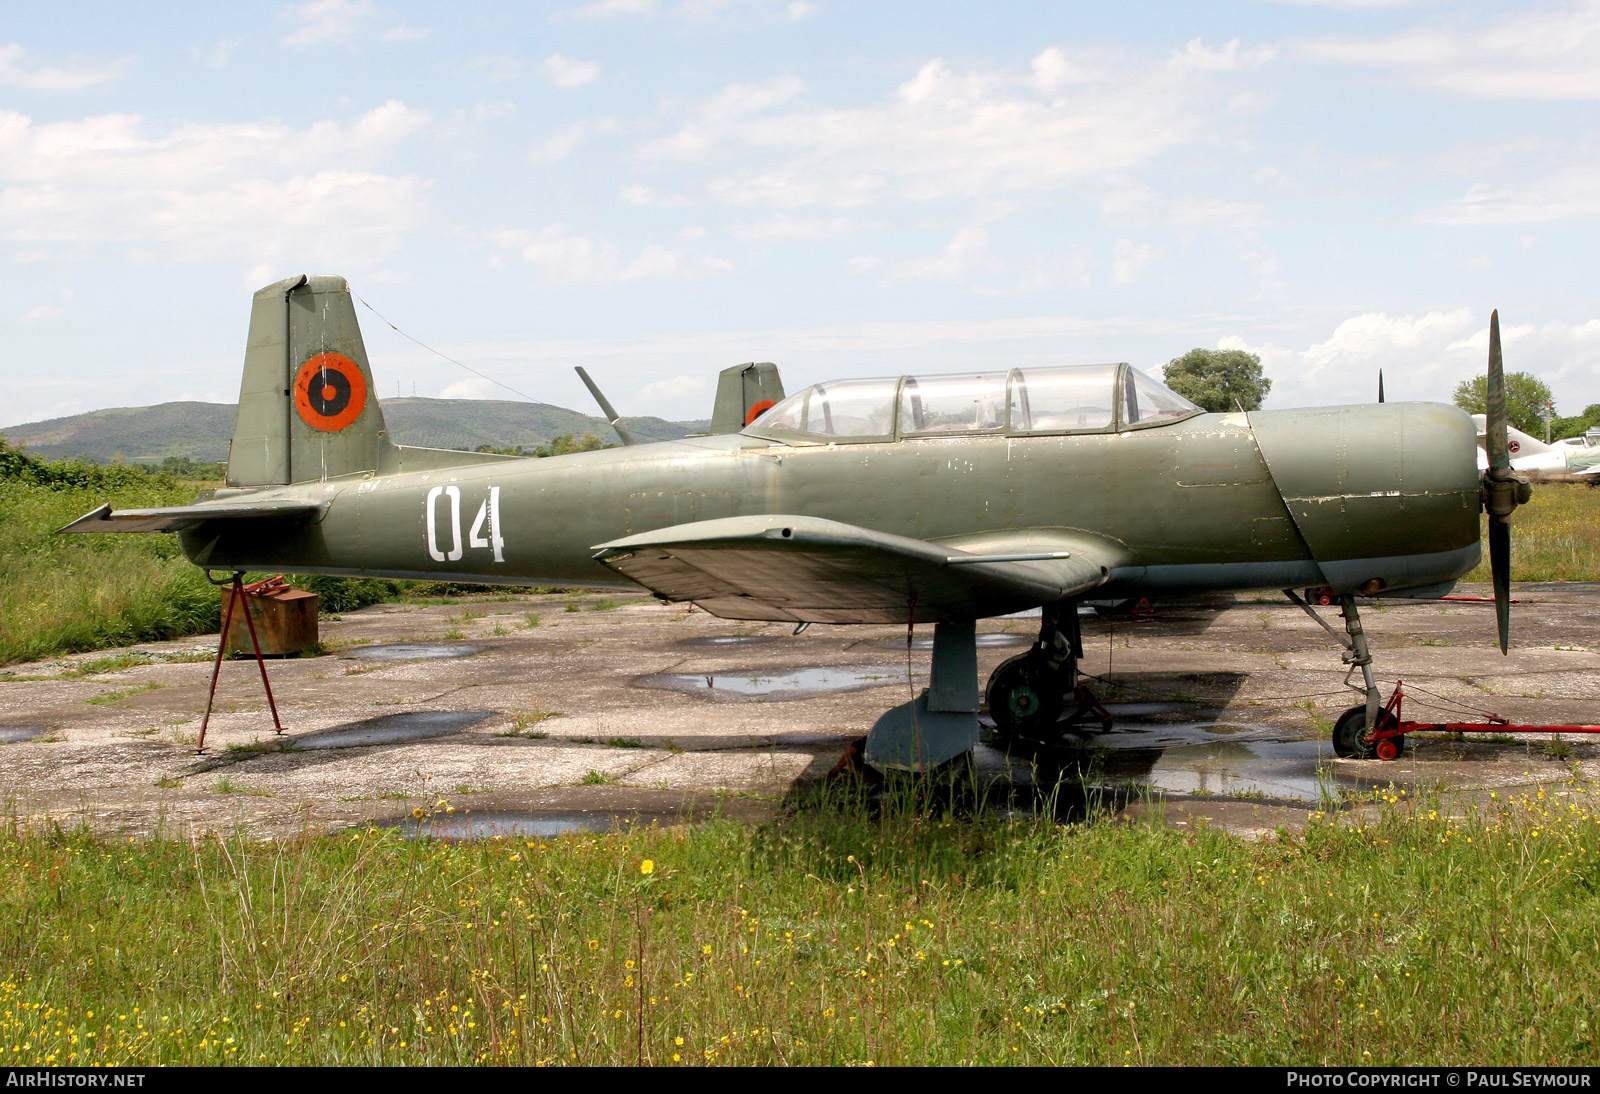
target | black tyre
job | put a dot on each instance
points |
(1024, 697)
(1351, 742)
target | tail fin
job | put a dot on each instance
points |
(741, 390)
(1517, 441)
(307, 406)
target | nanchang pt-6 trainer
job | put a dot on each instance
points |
(915, 499)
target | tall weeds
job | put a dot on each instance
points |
(841, 933)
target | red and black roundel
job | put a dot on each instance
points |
(330, 392)
(1515, 446)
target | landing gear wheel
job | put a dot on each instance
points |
(1351, 742)
(1024, 697)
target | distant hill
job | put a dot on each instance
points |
(201, 431)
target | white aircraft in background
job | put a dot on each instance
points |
(1531, 454)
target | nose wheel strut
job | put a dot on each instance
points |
(1353, 733)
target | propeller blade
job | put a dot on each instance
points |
(1380, 385)
(1495, 417)
(1500, 569)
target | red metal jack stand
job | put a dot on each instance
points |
(222, 644)
(1388, 736)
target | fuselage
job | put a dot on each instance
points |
(1376, 497)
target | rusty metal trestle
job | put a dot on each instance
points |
(236, 599)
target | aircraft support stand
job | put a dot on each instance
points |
(942, 722)
(235, 601)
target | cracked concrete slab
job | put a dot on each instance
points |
(554, 710)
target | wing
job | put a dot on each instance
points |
(179, 517)
(809, 570)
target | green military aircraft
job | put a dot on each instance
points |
(936, 499)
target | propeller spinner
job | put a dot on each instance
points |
(1503, 490)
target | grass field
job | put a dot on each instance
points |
(67, 593)
(828, 937)
(1555, 537)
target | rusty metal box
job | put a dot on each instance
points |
(285, 619)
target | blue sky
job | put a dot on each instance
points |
(656, 189)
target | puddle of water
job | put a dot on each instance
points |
(1131, 734)
(795, 684)
(13, 734)
(1286, 770)
(1205, 759)
(985, 642)
(1146, 710)
(412, 652)
(500, 824)
(728, 640)
(393, 729)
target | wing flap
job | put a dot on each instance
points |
(179, 517)
(809, 570)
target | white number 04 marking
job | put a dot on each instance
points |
(488, 514)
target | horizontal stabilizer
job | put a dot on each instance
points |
(179, 517)
(809, 570)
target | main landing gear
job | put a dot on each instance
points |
(1353, 732)
(1028, 693)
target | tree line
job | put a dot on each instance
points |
(1222, 380)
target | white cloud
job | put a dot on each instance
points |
(322, 21)
(1054, 69)
(647, 198)
(402, 32)
(561, 143)
(613, 9)
(233, 193)
(489, 111)
(1055, 272)
(1425, 356)
(1562, 192)
(501, 69)
(562, 255)
(1228, 58)
(216, 55)
(1131, 205)
(1128, 261)
(966, 256)
(472, 387)
(674, 389)
(791, 11)
(41, 312)
(946, 133)
(565, 72)
(698, 10)
(16, 73)
(782, 228)
(1549, 53)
